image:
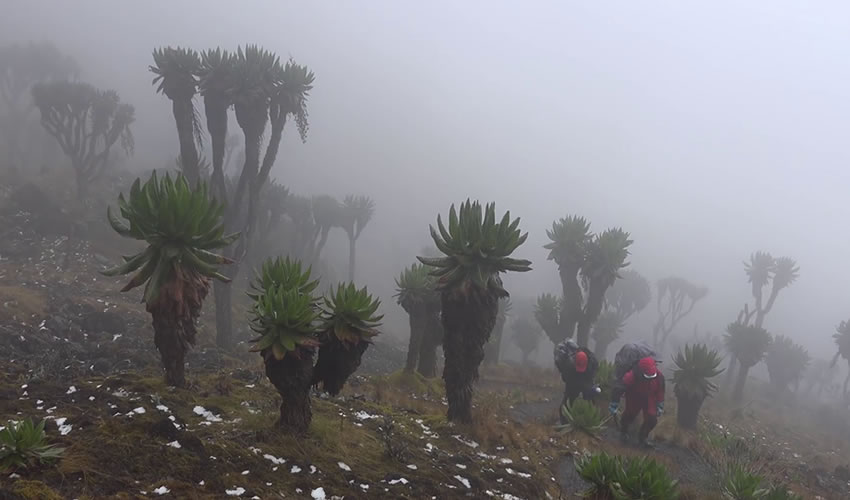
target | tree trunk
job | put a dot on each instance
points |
(337, 361)
(172, 351)
(687, 411)
(223, 315)
(571, 313)
(592, 309)
(493, 348)
(184, 117)
(731, 370)
(352, 245)
(292, 376)
(417, 331)
(468, 321)
(738, 395)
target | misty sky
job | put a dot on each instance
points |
(708, 130)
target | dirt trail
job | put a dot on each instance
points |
(689, 468)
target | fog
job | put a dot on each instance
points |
(707, 131)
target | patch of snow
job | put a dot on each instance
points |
(506, 461)
(64, 429)
(464, 481)
(460, 466)
(313, 469)
(91, 398)
(245, 472)
(71, 390)
(116, 337)
(362, 415)
(162, 490)
(508, 496)
(162, 407)
(138, 411)
(344, 467)
(208, 415)
(201, 483)
(399, 480)
(175, 444)
(235, 492)
(295, 469)
(412, 467)
(273, 459)
(121, 393)
(318, 494)
(517, 473)
(525, 459)
(467, 442)
(249, 386)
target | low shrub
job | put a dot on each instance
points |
(24, 444)
(619, 478)
(583, 416)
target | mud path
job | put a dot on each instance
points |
(688, 467)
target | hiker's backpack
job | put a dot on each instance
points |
(629, 355)
(565, 354)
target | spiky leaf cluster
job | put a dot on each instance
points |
(296, 82)
(283, 273)
(356, 212)
(644, 478)
(696, 365)
(477, 249)
(547, 312)
(786, 360)
(350, 314)
(741, 484)
(176, 70)
(285, 320)
(763, 267)
(747, 343)
(181, 226)
(606, 255)
(842, 340)
(625, 478)
(24, 444)
(582, 415)
(415, 286)
(570, 237)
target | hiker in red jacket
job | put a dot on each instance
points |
(643, 387)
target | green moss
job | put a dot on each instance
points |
(35, 490)
(414, 382)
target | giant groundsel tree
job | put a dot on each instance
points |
(21, 67)
(628, 296)
(176, 71)
(588, 265)
(416, 294)
(477, 251)
(86, 122)
(749, 344)
(676, 299)
(786, 361)
(696, 365)
(842, 341)
(182, 227)
(357, 211)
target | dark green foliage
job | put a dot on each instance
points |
(741, 484)
(584, 416)
(602, 471)
(24, 444)
(621, 478)
(696, 365)
(415, 286)
(350, 314)
(283, 273)
(349, 321)
(181, 226)
(477, 249)
(588, 265)
(786, 361)
(646, 479)
(284, 318)
(547, 312)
